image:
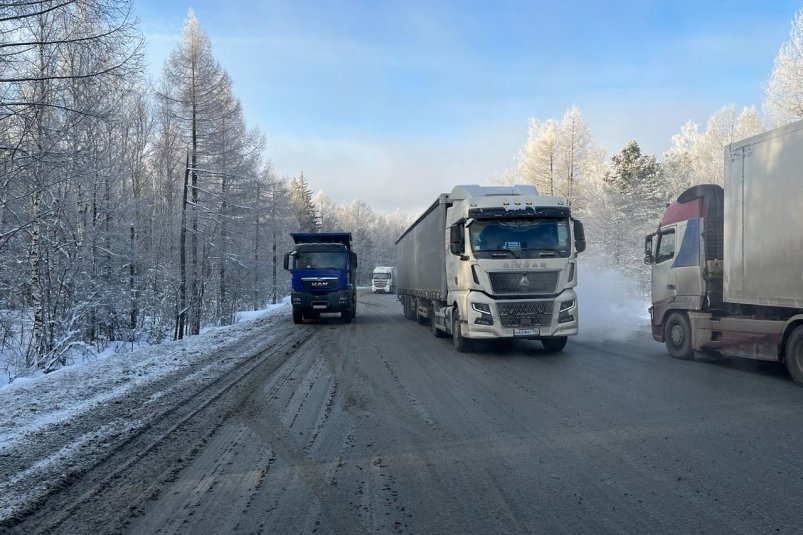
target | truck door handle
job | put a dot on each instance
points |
(670, 286)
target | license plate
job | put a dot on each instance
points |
(526, 332)
(319, 306)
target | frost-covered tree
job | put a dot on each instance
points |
(327, 211)
(558, 155)
(577, 152)
(698, 157)
(783, 94)
(631, 196)
(64, 70)
(195, 91)
(538, 159)
(305, 213)
(359, 219)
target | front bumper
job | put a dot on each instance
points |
(335, 301)
(521, 318)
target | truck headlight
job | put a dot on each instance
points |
(565, 316)
(484, 310)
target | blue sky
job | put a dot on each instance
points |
(393, 102)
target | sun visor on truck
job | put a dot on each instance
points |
(519, 211)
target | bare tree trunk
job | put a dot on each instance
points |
(275, 261)
(132, 289)
(181, 313)
(195, 316)
(256, 253)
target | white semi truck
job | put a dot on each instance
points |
(383, 279)
(492, 262)
(727, 264)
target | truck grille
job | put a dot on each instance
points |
(380, 284)
(319, 283)
(524, 282)
(525, 314)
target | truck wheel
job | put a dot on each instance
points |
(297, 317)
(794, 355)
(460, 344)
(347, 315)
(554, 344)
(677, 336)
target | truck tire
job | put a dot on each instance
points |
(554, 344)
(794, 355)
(347, 315)
(460, 344)
(677, 336)
(297, 317)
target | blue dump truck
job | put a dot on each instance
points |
(323, 268)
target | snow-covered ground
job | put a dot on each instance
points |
(36, 406)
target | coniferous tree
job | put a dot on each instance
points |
(306, 215)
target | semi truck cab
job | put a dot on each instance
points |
(383, 279)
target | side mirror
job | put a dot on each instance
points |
(287, 261)
(648, 257)
(456, 239)
(353, 259)
(579, 236)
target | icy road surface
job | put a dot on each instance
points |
(378, 427)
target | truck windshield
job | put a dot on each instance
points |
(320, 260)
(381, 275)
(520, 238)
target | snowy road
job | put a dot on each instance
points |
(378, 427)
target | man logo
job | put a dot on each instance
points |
(524, 282)
(319, 284)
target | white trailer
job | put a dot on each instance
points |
(726, 263)
(492, 262)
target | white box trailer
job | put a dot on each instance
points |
(764, 219)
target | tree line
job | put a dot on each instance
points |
(132, 211)
(141, 212)
(620, 198)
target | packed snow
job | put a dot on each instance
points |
(35, 404)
